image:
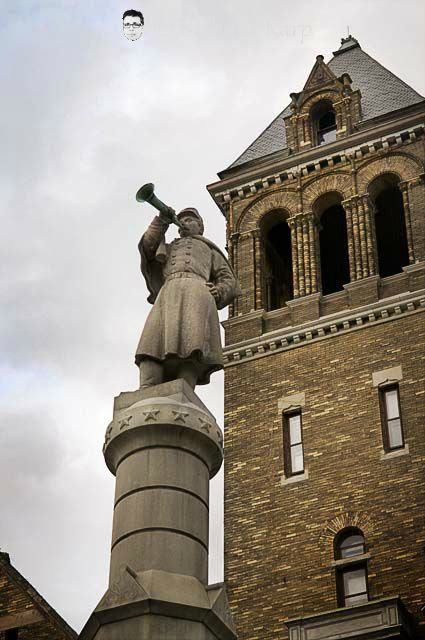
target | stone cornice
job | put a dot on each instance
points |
(370, 129)
(327, 327)
(315, 159)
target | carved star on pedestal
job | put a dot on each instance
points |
(205, 426)
(219, 436)
(151, 415)
(125, 422)
(107, 436)
(180, 416)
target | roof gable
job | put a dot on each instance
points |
(21, 606)
(319, 75)
(382, 92)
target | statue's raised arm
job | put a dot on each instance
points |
(188, 280)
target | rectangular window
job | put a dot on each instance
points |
(352, 587)
(293, 443)
(392, 428)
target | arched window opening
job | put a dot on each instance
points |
(351, 571)
(390, 225)
(277, 273)
(324, 122)
(334, 263)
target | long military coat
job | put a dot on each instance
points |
(183, 323)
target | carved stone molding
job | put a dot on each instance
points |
(294, 337)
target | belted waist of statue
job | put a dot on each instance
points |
(185, 274)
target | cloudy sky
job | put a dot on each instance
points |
(86, 118)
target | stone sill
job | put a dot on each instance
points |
(299, 477)
(396, 453)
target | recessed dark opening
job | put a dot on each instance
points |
(278, 263)
(334, 250)
(391, 232)
(326, 128)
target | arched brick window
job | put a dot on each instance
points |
(277, 259)
(334, 263)
(323, 120)
(351, 567)
(390, 224)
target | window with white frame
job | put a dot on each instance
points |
(392, 428)
(351, 572)
(293, 443)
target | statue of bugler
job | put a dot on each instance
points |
(188, 280)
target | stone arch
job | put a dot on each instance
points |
(276, 259)
(331, 96)
(340, 182)
(402, 165)
(356, 519)
(251, 216)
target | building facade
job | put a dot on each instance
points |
(324, 374)
(24, 613)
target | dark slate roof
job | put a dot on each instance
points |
(382, 92)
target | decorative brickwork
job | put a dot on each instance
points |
(405, 166)
(279, 539)
(322, 87)
(351, 183)
(250, 217)
(339, 181)
(328, 350)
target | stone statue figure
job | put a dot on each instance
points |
(188, 280)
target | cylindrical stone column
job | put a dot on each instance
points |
(300, 255)
(163, 454)
(234, 238)
(362, 237)
(294, 251)
(163, 446)
(312, 240)
(350, 239)
(230, 250)
(306, 254)
(404, 186)
(356, 237)
(370, 233)
(258, 290)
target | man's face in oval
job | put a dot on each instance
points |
(132, 27)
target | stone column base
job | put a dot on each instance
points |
(361, 292)
(153, 605)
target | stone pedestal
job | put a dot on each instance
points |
(163, 446)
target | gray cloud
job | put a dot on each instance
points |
(87, 117)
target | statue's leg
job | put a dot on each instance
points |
(151, 373)
(187, 371)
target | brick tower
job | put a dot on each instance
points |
(324, 380)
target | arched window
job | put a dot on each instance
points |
(351, 570)
(324, 122)
(277, 272)
(390, 225)
(334, 264)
